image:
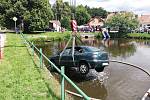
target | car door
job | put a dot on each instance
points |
(78, 54)
(63, 59)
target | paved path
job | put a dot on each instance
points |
(2, 41)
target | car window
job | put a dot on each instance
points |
(92, 49)
(66, 52)
(78, 50)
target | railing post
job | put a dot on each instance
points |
(41, 58)
(62, 83)
(32, 48)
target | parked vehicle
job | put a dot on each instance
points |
(85, 58)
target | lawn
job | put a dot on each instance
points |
(21, 78)
(54, 36)
(139, 35)
(49, 36)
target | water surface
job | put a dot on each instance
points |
(118, 81)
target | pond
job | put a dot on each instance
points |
(118, 81)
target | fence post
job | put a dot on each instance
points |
(41, 58)
(62, 83)
(32, 48)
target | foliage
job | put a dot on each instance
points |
(65, 22)
(49, 36)
(124, 21)
(63, 13)
(82, 15)
(34, 13)
(139, 35)
(97, 12)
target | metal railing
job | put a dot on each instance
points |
(64, 77)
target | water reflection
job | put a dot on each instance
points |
(116, 47)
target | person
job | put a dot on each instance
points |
(105, 33)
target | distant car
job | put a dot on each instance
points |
(50, 29)
(85, 58)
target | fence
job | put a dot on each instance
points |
(64, 77)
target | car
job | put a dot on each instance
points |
(85, 58)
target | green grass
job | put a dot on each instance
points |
(49, 36)
(54, 36)
(139, 35)
(21, 78)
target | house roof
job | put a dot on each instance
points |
(144, 19)
(92, 21)
(57, 22)
(96, 17)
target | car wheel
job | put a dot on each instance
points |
(99, 69)
(83, 68)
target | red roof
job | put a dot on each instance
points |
(144, 19)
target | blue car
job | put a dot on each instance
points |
(84, 59)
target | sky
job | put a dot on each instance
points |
(136, 6)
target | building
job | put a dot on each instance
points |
(96, 21)
(144, 21)
(55, 25)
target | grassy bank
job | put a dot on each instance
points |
(49, 36)
(138, 35)
(55, 36)
(21, 78)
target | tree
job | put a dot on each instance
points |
(97, 12)
(34, 13)
(65, 22)
(81, 15)
(124, 21)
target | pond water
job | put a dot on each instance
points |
(118, 81)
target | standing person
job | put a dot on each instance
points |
(105, 33)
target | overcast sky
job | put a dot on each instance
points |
(137, 6)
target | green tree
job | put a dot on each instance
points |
(97, 12)
(58, 9)
(124, 21)
(65, 22)
(34, 13)
(81, 15)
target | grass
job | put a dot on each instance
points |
(21, 78)
(54, 36)
(139, 35)
(49, 36)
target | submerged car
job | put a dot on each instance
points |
(84, 59)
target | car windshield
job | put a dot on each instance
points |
(92, 49)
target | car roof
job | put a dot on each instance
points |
(81, 47)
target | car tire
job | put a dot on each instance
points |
(83, 68)
(99, 69)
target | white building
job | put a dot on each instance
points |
(144, 21)
(55, 25)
